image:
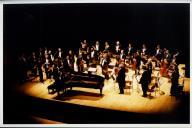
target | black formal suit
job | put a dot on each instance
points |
(47, 63)
(158, 54)
(121, 80)
(65, 65)
(144, 51)
(117, 49)
(130, 51)
(122, 56)
(144, 81)
(59, 54)
(98, 48)
(138, 59)
(104, 65)
(174, 82)
(56, 74)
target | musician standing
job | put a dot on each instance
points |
(144, 50)
(167, 56)
(149, 68)
(144, 81)
(158, 55)
(56, 73)
(46, 66)
(117, 48)
(70, 63)
(121, 78)
(104, 64)
(97, 46)
(174, 81)
(130, 50)
(138, 62)
(107, 47)
(59, 53)
(93, 55)
(40, 54)
(80, 64)
(97, 49)
(51, 57)
(122, 55)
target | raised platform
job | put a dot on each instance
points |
(131, 102)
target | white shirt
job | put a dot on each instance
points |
(129, 49)
(144, 49)
(68, 62)
(103, 62)
(59, 54)
(121, 56)
(46, 62)
(97, 47)
(92, 54)
(52, 58)
(157, 52)
(117, 48)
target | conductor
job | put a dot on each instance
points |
(121, 78)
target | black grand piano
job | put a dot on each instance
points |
(75, 79)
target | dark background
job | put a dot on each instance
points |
(30, 26)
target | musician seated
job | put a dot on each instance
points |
(59, 83)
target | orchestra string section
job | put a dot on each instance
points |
(59, 63)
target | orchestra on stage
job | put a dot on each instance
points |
(112, 60)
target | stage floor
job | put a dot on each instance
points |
(131, 101)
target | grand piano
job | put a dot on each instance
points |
(75, 79)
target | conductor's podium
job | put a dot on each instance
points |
(78, 80)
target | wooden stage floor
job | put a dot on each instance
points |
(132, 101)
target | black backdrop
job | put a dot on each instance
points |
(28, 26)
